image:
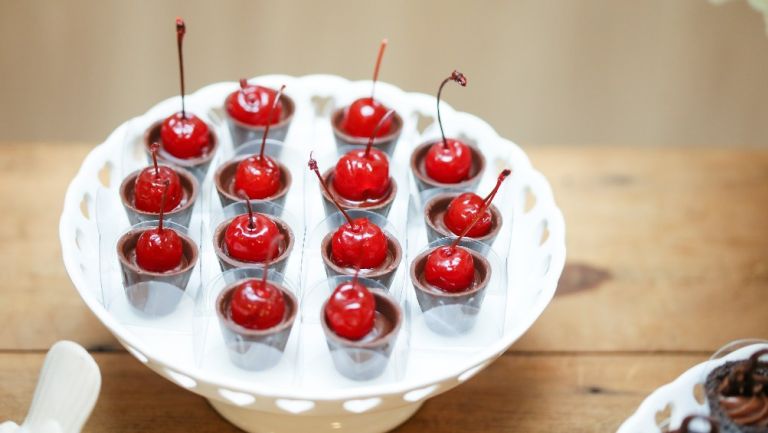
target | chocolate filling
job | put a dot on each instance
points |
(224, 178)
(288, 108)
(126, 249)
(419, 170)
(221, 247)
(224, 300)
(436, 207)
(368, 204)
(480, 281)
(386, 323)
(188, 194)
(396, 128)
(390, 263)
(152, 135)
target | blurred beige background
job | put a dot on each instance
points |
(542, 72)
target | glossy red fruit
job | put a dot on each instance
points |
(258, 177)
(361, 117)
(257, 305)
(448, 164)
(149, 186)
(251, 105)
(359, 176)
(463, 210)
(185, 137)
(359, 244)
(450, 268)
(351, 310)
(159, 250)
(251, 239)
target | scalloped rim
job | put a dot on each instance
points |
(545, 204)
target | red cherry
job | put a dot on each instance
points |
(351, 310)
(159, 249)
(359, 177)
(462, 210)
(252, 237)
(359, 244)
(361, 117)
(449, 161)
(257, 305)
(252, 104)
(450, 268)
(470, 212)
(184, 135)
(258, 178)
(150, 184)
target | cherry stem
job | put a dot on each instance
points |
(462, 80)
(383, 119)
(166, 184)
(153, 150)
(181, 29)
(269, 120)
(356, 277)
(486, 202)
(382, 47)
(313, 166)
(250, 210)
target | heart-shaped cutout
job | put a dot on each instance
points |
(237, 398)
(419, 394)
(295, 406)
(181, 379)
(363, 405)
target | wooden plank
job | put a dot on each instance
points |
(524, 392)
(668, 249)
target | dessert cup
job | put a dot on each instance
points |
(181, 215)
(271, 211)
(197, 166)
(424, 182)
(383, 273)
(380, 206)
(385, 143)
(434, 213)
(253, 349)
(155, 293)
(737, 394)
(242, 132)
(450, 313)
(367, 358)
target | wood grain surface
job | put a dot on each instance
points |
(667, 261)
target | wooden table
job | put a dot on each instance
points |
(667, 261)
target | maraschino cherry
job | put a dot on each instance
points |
(254, 105)
(150, 185)
(358, 243)
(159, 249)
(251, 237)
(449, 160)
(351, 310)
(258, 176)
(451, 268)
(361, 117)
(364, 174)
(183, 134)
(257, 304)
(467, 206)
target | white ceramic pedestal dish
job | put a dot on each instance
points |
(666, 407)
(293, 398)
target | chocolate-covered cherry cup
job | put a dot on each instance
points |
(242, 132)
(424, 182)
(155, 293)
(271, 211)
(224, 176)
(368, 357)
(197, 166)
(385, 272)
(435, 207)
(253, 349)
(181, 215)
(385, 143)
(380, 206)
(451, 313)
